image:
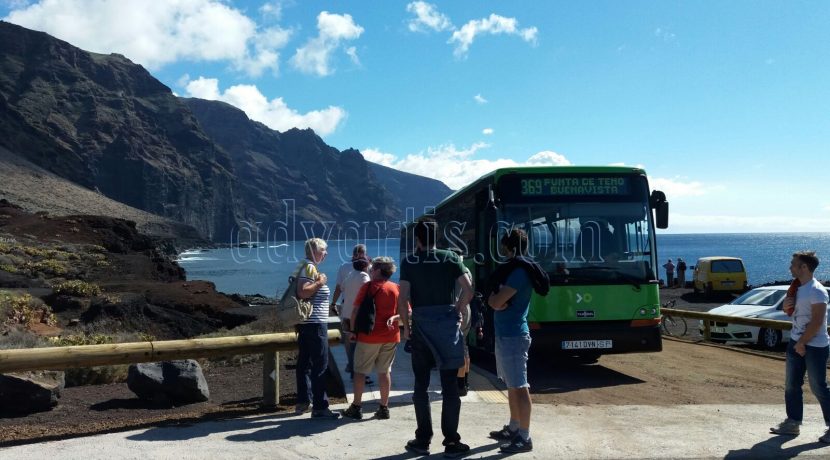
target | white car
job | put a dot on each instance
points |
(762, 302)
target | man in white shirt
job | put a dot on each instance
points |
(358, 251)
(344, 310)
(809, 346)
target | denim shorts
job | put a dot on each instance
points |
(511, 360)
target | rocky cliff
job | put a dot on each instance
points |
(270, 166)
(325, 184)
(105, 123)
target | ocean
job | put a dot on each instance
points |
(265, 270)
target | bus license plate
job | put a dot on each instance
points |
(586, 344)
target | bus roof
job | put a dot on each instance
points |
(496, 174)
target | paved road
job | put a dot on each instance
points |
(573, 432)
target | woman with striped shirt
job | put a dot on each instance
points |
(312, 335)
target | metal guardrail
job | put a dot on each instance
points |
(708, 317)
(56, 358)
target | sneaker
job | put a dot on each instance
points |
(456, 449)
(517, 445)
(418, 447)
(825, 438)
(788, 426)
(353, 412)
(302, 408)
(324, 413)
(504, 434)
(382, 413)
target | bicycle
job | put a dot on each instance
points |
(673, 327)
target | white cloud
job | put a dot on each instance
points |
(274, 113)
(272, 9)
(464, 37)
(487, 131)
(352, 53)
(827, 207)
(154, 33)
(547, 158)
(455, 167)
(314, 57)
(676, 188)
(478, 98)
(427, 17)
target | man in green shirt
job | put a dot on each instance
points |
(428, 280)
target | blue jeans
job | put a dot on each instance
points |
(312, 363)
(422, 363)
(814, 363)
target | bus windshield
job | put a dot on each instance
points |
(587, 242)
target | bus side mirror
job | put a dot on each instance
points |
(663, 215)
(658, 201)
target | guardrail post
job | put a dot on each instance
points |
(271, 379)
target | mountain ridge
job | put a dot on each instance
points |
(106, 124)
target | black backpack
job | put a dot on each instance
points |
(364, 321)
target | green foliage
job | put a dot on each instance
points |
(23, 310)
(80, 339)
(78, 288)
(146, 337)
(48, 267)
(9, 268)
(6, 247)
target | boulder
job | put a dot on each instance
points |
(28, 392)
(169, 382)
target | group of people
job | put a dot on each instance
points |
(670, 267)
(431, 306)
(430, 309)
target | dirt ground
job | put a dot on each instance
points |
(235, 391)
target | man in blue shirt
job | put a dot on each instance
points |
(511, 304)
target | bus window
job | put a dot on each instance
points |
(575, 242)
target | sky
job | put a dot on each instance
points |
(726, 105)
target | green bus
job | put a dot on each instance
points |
(591, 228)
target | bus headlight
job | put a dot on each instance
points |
(642, 312)
(653, 311)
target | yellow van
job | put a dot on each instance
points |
(719, 274)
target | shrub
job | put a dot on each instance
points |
(6, 247)
(23, 310)
(9, 268)
(18, 339)
(80, 339)
(78, 288)
(48, 266)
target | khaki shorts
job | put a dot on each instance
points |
(374, 356)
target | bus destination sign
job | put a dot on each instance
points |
(554, 186)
